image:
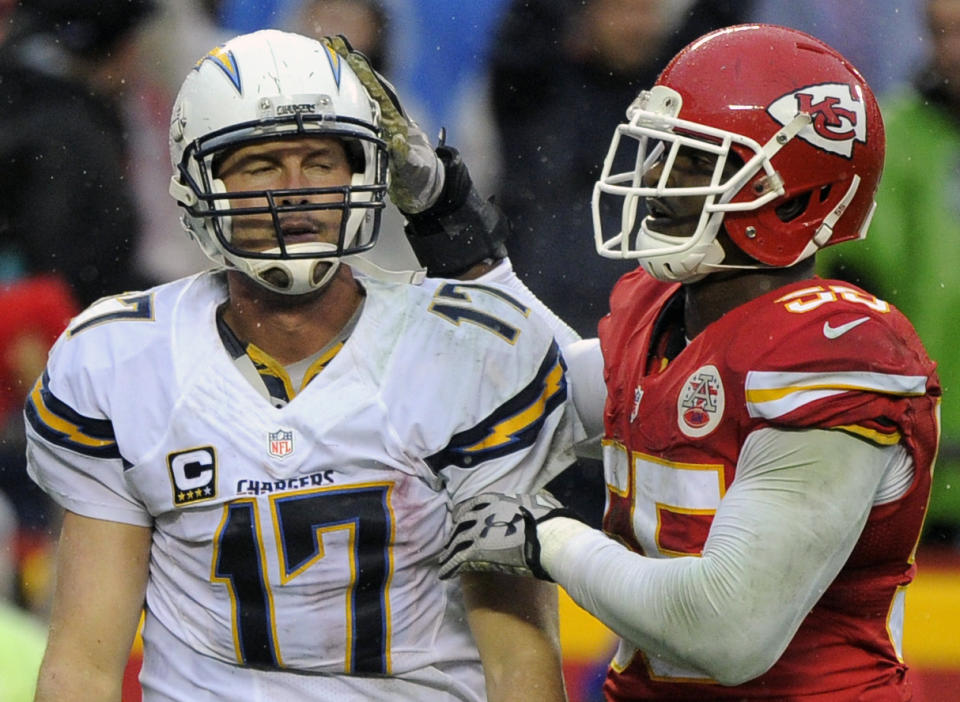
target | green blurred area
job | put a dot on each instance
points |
(911, 258)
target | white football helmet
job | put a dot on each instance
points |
(264, 86)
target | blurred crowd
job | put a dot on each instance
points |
(529, 91)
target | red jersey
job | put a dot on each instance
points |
(813, 354)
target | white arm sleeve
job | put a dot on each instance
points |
(588, 389)
(781, 534)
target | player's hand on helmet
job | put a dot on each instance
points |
(416, 173)
(498, 533)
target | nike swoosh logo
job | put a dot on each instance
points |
(834, 332)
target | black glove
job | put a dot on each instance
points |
(461, 229)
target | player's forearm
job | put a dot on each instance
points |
(521, 686)
(514, 622)
(666, 607)
(777, 542)
(535, 672)
(102, 569)
(66, 676)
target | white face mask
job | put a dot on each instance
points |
(658, 137)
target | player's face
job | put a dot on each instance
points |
(678, 216)
(306, 162)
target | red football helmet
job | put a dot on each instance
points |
(805, 126)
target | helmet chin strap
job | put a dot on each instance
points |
(690, 265)
(701, 261)
(693, 266)
(301, 271)
(825, 230)
(368, 267)
(298, 271)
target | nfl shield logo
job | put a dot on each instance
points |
(280, 443)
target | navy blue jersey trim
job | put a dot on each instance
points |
(60, 424)
(513, 426)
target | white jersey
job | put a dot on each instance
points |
(303, 538)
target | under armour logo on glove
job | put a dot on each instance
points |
(499, 533)
(509, 527)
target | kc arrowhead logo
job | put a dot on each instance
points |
(837, 111)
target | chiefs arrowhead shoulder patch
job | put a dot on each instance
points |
(700, 403)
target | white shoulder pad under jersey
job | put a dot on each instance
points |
(105, 398)
(474, 384)
(324, 515)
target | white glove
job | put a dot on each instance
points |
(416, 173)
(498, 533)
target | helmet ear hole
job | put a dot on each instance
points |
(794, 207)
